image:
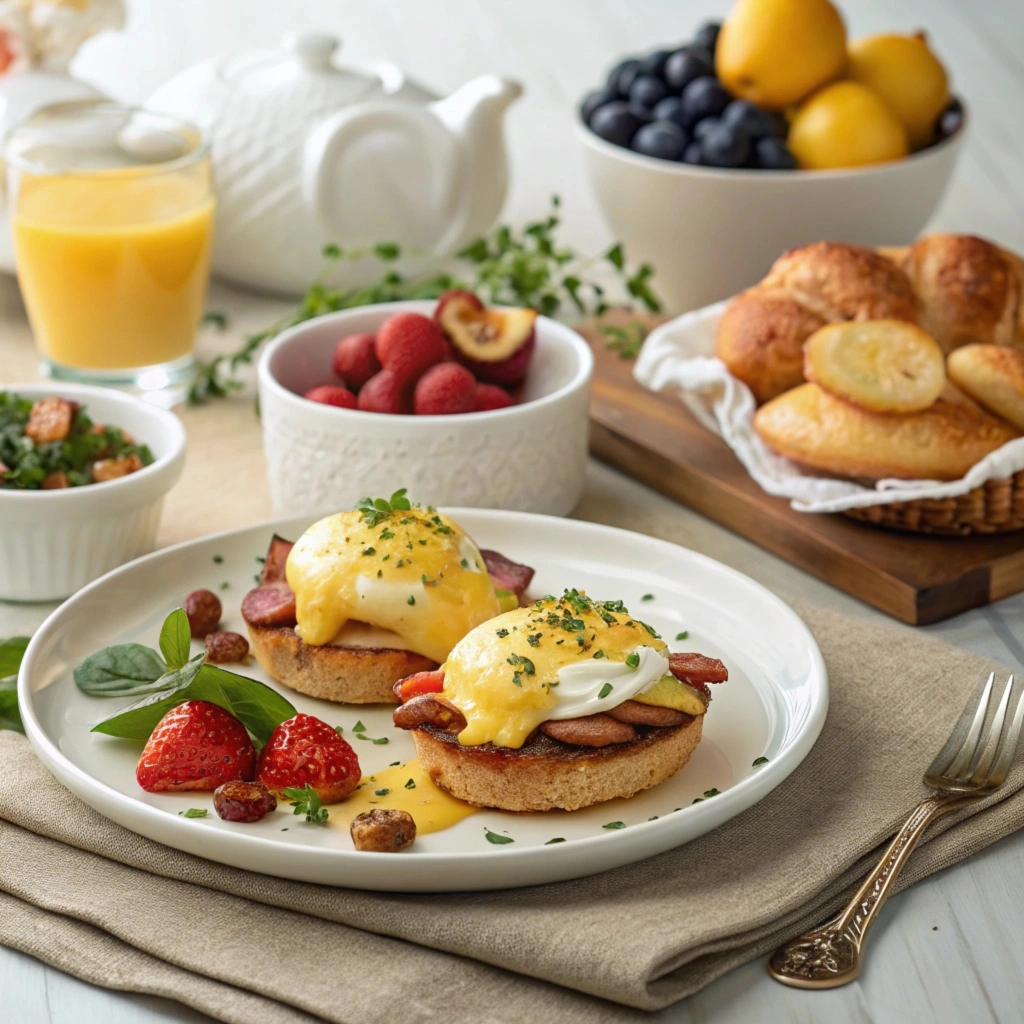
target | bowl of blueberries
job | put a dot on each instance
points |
(703, 184)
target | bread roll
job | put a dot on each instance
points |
(994, 376)
(825, 433)
(968, 290)
(762, 331)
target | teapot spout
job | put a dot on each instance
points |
(474, 113)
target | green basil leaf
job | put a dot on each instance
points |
(138, 720)
(121, 671)
(10, 717)
(176, 638)
(11, 652)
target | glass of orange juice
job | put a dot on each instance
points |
(112, 216)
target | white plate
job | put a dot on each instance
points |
(773, 706)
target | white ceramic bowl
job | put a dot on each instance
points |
(52, 543)
(529, 458)
(710, 233)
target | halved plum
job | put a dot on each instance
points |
(494, 342)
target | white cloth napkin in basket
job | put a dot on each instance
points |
(679, 356)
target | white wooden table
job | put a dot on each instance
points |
(942, 951)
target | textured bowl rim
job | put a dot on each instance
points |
(552, 328)
(672, 167)
(81, 392)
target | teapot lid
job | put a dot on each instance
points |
(305, 62)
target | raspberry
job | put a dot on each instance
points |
(331, 394)
(355, 360)
(408, 344)
(383, 392)
(490, 396)
(446, 388)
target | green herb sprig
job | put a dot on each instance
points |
(11, 653)
(529, 267)
(306, 800)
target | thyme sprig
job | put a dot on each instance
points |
(525, 267)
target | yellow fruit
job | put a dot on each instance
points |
(908, 76)
(669, 692)
(846, 125)
(776, 52)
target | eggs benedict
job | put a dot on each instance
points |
(368, 596)
(560, 704)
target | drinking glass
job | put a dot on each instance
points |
(112, 216)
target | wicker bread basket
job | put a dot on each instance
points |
(997, 506)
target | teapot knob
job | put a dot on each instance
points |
(313, 50)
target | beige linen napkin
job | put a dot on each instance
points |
(102, 903)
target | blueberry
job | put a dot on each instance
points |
(951, 119)
(654, 63)
(670, 109)
(702, 127)
(707, 35)
(615, 123)
(757, 123)
(704, 97)
(647, 91)
(593, 100)
(692, 154)
(663, 139)
(683, 67)
(702, 53)
(725, 146)
(620, 78)
(772, 155)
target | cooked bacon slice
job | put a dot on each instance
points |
(636, 713)
(696, 669)
(429, 709)
(270, 604)
(507, 574)
(591, 731)
(418, 684)
(277, 556)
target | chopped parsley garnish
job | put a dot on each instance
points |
(501, 632)
(194, 812)
(647, 597)
(359, 727)
(598, 654)
(615, 824)
(225, 585)
(605, 690)
(412, 600)
(218, 559)
(711, 792)
(683, 635)
(759, 761)
(369, 551)
(653, 817)
(534, 639)
(493, 837)
(465, 564)
(381, 792)
(307, 801)
(633, 660)
(386, 534)
(381, 741)
(651, 630)
(339, 730)
(519, 659)
(411, 784)
(557, 839)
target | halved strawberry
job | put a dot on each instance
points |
(304, 750)
(196, 745)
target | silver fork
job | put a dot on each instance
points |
(973, 763)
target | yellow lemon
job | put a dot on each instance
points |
(908, 76)
(776, 52)
(846, 124)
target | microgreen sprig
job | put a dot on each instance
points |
(376, 510)
(307, 801)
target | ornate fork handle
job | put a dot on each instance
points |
(830, 955)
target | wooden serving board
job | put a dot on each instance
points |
(915, 578)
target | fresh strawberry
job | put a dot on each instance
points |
(490, 396)
(305, 750)
(408, 344)
(331, 394)
(444, 389)
(354, 360)
(196, 745)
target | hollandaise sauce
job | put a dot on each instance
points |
(413, 573)
(405, 787)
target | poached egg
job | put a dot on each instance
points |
(407, 578)
(557, 658)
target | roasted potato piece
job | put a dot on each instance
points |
(50, 420)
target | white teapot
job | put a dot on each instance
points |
(307, 153)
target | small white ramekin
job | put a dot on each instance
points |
(530, 457)
(52, 543)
